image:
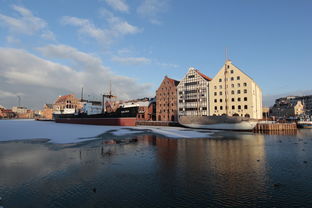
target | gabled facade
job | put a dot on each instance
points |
(166, 100)
(193, 94)
(66, 104)
(234, 93)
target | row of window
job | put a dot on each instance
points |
(164, 110)
(192, 109)
(239, 107)
(166, 104)
(232, 92)
(232, 78)
(233, 100)
(166, 93)
(232, 85)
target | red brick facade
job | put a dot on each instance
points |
(166, 100)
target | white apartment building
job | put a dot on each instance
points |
(193, 94)
(234, 93)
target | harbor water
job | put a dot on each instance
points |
(148, 169)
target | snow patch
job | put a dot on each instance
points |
(73, 133)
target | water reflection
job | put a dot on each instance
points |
(229, 169)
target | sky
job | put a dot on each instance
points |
(52, 48)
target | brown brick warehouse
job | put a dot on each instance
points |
(166, 100)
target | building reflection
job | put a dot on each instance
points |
(231, 164)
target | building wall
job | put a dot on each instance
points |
(193, 94)
(47, 113)
(166, 100)
(232, 92)
(66, 104)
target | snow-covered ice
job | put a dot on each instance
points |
(72, 133)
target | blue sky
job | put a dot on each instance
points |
(50, 48)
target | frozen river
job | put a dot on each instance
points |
(44, 164)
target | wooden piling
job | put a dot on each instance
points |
(275, 127)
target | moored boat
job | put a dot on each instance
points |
(123, 116)
(219, 122)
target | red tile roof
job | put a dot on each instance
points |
(173, 81)
(203, 76)
(63, 98)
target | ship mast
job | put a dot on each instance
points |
(109, 96)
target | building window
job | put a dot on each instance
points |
(245, 107)
(220, 93)
(238, 77)
(232, 85)
(238, 99)
(220, 80)
(239, 107)
(220, 86)
(215, 87)
(238, 84)
(233, 99)
(221, 107)
(215, 93)
(215, 100)
(233, 107)
(232, 71)
(216, 108)
(191, 76)
(220, 100)
(232, 92)
(232, 78)
(245, 90)
(245, 98)
(245, 84)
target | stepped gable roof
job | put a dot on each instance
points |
(173, 81)
(63, 98)
(203, 76)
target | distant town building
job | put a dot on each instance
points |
(147, 110)
(47, 111)
(234, 93)
(23, 112)
(166, 100)
(19, 110)
(193, 97)
(6, 113)
(67, 104)
(307, 102)
(290, 106)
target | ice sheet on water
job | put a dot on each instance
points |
(72, 133)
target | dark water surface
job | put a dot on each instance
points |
(230, 169)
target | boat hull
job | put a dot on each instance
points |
(129, 121)
(218, 122)
(304, 125)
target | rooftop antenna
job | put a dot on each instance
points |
(226, 54)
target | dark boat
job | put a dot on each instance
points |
(123, 116)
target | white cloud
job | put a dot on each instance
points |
(11, 39)
(119, 5)
(168, 65)
(8, 94)
(150, 9)
(41, 79)
(116, 27)
(26, 23)
(131, 60)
